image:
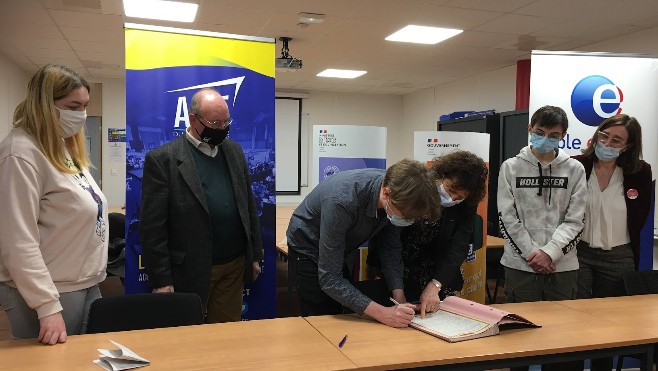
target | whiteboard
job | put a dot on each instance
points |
(288, 145)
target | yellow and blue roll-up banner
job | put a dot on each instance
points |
(164, 68)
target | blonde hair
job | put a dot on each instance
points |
(37, 115)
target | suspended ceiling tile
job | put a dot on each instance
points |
(114, 58)
(494, 6)
(49, 53)
(392, 11)
(515, 24)
(87, 20)
(93, 35)
(99, 47)
(41, 43)
(11, 12)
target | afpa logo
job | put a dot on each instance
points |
(594, 99)
(182, 113)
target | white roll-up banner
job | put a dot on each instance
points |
(591, 87)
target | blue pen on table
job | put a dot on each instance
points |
(342, 342)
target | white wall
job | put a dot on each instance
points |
(421, 110)
(325, 108)
(13, 87)
(114, 116)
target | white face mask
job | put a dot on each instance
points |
(70, 122)
(446, 200)
(397, 220)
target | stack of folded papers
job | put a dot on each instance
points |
(119, 359)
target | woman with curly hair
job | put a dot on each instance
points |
(434, 251)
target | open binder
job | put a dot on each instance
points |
(460, 319)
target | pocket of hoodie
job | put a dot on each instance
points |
(540, 234)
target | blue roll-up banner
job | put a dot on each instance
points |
(164, 68)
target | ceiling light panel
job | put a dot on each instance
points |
(423, 34)
(341, 74)
(161, 9)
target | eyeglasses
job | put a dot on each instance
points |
(614, 141)
(554, 136)
(216, 124)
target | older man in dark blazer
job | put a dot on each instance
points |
(199, 227)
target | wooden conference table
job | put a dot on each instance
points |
(574, 329)
(566, 334)
(275, 344)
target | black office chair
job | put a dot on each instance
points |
(144, 311)
(639, 283)
(494, 270)
(116, 250)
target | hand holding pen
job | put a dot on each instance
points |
(403, 313)
(399, 315)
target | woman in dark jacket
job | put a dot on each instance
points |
(619, 198)
(434, 252)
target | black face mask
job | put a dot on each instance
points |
(214, 137)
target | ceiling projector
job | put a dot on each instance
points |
(290, 62)
(286, 60)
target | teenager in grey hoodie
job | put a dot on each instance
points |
(541, 203)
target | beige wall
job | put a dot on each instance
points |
(13, 86)
(95, 106)
(421, 110)
(114, 116)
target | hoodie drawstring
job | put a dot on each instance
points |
(550, 186)
(541, 179)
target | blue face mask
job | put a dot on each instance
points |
(543, 144)
(446, 200)
(606, 153)
(396, 220)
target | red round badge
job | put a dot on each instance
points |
(631, 193)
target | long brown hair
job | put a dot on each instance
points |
(37, 115)
(629, 158)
